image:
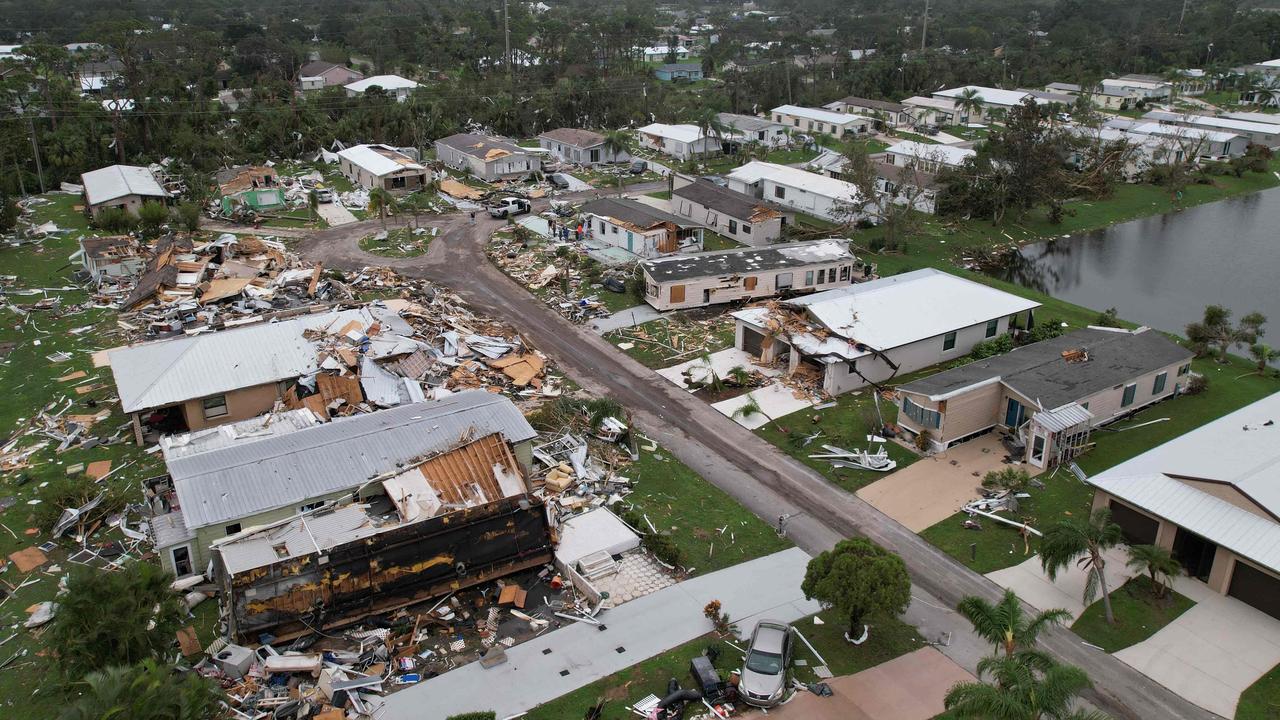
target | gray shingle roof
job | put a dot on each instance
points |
(576, 137)
(730, 202)
(479, 145)
(738, 261)
(1038, 371)
(633, 212)
(244, 479)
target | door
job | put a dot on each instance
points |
(182, 561)
(677, 294)
(1038, 443)
(1255, 587)
(749, 283)
(629, 239)
(1137, 529)
(1013, 414)
(752, 342)
(1195, 553)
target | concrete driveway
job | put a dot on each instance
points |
(1212, 652)
(934, 488)
(1032, 585)
(911, 687)
(335, 214)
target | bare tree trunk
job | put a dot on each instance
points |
(1099, 566)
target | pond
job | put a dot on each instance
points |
(1163, 270)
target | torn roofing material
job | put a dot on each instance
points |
(743, 261)
(1041, 372)
(574, 136)
(261, 474)
(162, 373)
(625, 211)
(117, 181)
(481, 146)
(739, 206)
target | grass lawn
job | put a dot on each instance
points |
(399, 243)
(33, 497)
(1261, 701)
(716, 241)
(967, 133)
(846, 425)
(1064, 496)
(661, 194)
(1139, 615)
(678, 501)
(674, 339)
(889, 639)
(904, 135)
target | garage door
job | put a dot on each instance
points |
(752, 342)
(1255, 587)
(1138, 529)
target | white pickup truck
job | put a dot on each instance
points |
(508, 206)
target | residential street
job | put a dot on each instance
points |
(750, 469)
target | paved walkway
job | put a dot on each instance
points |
(1212, 652)
(630, 317)
(580, 653)
(1034, 587)
(775, 400)
(911, 687)
(934, 488)
(722, 362)
(335, 214)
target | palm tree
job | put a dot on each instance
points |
(381, 202)
(1070, 541)
(617, 142)
(969, 102)
(749, 408)
(710, 125)
(705, 359)
(1020, 692)
(146, 691)
(1263, 354)
(1006, 624)
(1158, 563)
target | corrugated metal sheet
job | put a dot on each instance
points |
(253, 477)
(117, 181)
(1064, 418)
(1236, 529)
(171, 371)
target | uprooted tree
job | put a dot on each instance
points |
(1215, 334)
(859, 580)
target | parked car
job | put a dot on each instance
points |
(324, 195)
(763, 682)
(929, 129)
(508, 206)
(638, 166)
(558, 181)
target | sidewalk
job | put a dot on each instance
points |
(579, 654)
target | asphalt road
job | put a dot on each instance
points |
(765, 480)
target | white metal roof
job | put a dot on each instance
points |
(251, 477)
(945, 154)
(386, 82)
(1130, 83)
(1063, 418)
(945, 104)
(379, 160)
(680, 133)
(1257, 117)
(117, 181)
(162, 373)
(1155, 128)
(757, 170)
(826, 116)
(902, 309)
(1207, 121)
(990, 95)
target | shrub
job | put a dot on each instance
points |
(187, 215)
(1196, 385)
(994, 346)
(152, 215)
(1050, 328)
(922, 441)
(116, 220)
(8, 213)
(1108, 318)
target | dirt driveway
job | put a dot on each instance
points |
(934, 488)
(911, 687)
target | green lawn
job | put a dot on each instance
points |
(693, 511)
(716, 241)
(661, 194)
(1261, 701)
(1000, 546)
(845, 425)
(889, 639)
(1139, 615)
(399, 243)
(967, 133)
(30, 381)
(899, 135)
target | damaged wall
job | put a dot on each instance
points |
(386, 571)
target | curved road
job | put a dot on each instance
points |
(765, 480)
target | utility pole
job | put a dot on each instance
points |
(924, 29)
(35, 148)
(1183, 16)
(506, 37)
(786, 66)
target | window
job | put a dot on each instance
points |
(782, 281)
(181, 561)
(808, 277)
(214, 406)
(1129, 392)
(779, 191)
(1084, 405)
(844, 272)
(232, 529)
(602, 226)
(1184, 369)
(746, 228)
(733, 227)
(993, 326)
(923, 417)
(796, 122)
(311, 506)
(614, 229)
(760, 135)
(1158, 386)
(949, 341)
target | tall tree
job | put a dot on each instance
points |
(1216, 334)
(858, 579)
(1006, 624)
(381, 202)
(1083, 543)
